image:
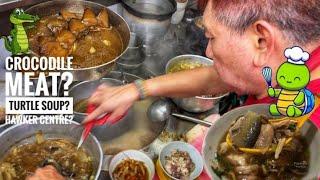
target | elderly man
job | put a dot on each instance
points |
(244, 36)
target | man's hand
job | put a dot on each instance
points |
(114, 100)
(117, 100)
(46, 173)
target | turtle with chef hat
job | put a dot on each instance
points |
(294, 99)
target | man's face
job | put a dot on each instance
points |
(233, 55)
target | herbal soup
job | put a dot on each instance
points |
(23, 160)
(276, 160)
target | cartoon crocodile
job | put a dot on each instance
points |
(19, 41)
(294, 99)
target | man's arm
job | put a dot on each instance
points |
(200, 81)
(117, 100)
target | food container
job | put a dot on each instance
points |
(85, 89)
(132, 154)
(194, 104)
(181, 146)
(221, 126)
(133, 57)
(136, 125)
(150, 19)
(20, 134)
(54, 7)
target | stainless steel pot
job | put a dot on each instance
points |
(150, 19)
(218, 130)
(194, 104)
(135, 126)
(54, 7)
(24, 133)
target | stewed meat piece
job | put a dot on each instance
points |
(76, 26)
(103, 18)
(67, 15)
(89, 18)
(265, 137)
(66, 39)
(57, 24)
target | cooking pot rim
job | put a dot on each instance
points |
(159, 17)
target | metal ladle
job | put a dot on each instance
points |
(160, 110)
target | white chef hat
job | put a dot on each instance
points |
(296, 55)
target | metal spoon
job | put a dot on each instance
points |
(160, 110)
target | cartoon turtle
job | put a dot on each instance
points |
(293, 76)
(19, 40)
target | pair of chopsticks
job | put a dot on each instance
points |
(97, 122)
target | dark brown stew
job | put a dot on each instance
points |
(89, 38)
(23, 160)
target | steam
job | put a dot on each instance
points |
(296, 55)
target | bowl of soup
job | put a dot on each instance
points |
(259, 146)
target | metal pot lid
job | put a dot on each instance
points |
(151, 9)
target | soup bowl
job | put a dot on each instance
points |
(216, 132)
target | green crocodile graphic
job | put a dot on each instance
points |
(19, 43)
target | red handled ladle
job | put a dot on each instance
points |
(97, 122)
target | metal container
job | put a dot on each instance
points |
(150, 19)
(194, 104)
(135, 126)
(221, 126)
(20, 134)
(134, 56)
(54, 7)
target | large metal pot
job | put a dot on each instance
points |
(218, 130)
(24, 133)
(135, 126)
(150, 19)
(195, 104)
(54, 7)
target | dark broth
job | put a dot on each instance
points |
(89, 45)
(292, 159)
(23, 160)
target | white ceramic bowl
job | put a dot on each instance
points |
(182, 146)
(132, 154)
